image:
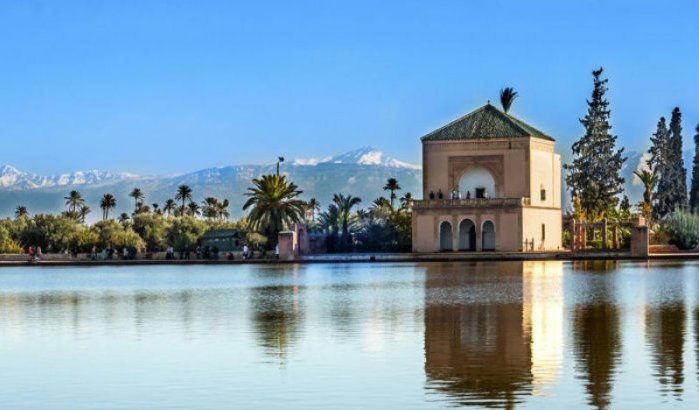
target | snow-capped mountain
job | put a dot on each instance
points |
(12, 178)
(361, 156)
(362, 172)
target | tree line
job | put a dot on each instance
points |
(594, 175)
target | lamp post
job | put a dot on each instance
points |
(279, 161)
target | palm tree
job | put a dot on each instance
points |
(329, 219)
(73, 201)
(193, 209)
(392, 185)
(222, 209)
(312, 206)
(274, 205)
(123, 218)
(169, 207)
(344, 206)
(21, 212)
(507, 97)
(137, 196)
(649, 179)
(406, 201)
(156, 208)
(210, 207)
(82, 212)
(184, 194)
(108, 202)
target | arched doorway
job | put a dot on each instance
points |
(467, 235)
(488, 236)
(445, 238)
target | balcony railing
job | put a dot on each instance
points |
(472, 203)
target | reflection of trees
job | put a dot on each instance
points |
(665, 336)
(477, 353)
(596, 333)
(276, 317)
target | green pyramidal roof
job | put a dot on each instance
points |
(486, 122)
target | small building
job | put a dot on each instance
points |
(226, 240)
(490, 182)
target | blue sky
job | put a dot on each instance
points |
(173, 86)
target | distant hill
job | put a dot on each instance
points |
(361, 172)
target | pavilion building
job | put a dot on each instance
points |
(490, 183)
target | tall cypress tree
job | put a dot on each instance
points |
(594, 175)
(659, 163)
(678, 172)
(694, 194)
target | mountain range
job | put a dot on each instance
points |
(361, 172)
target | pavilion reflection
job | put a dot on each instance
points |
(493, 331)
(596, 332)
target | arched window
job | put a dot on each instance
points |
(477, 182)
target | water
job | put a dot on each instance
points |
(386, 336)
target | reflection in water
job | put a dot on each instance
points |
(596, 334)
(276, 316)
(502, 348)
(543, 318)
(665, 336)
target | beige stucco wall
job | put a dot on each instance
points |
(533, 218)
(508, 228)
(444, 162)
(545, 171)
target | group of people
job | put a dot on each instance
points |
(112, 253)
(34, 253)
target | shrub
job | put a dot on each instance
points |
(683, 229)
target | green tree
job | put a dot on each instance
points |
(21, 212)
(649, 179)
(406, 201)
(193, 209)
(138, 197)
(344, 204)
(185, 232)
(113, 235)
(507, 97)
(392, 185)
(312, 206)
(659, 162)
(83, 211)
(694, 193)
(594, 175)
(107, 203)
(123, 218)
(153, 229)
(73, 201)
(677, 170)
(184, 194)
(53, 233)
(169, 207)
(274, 205)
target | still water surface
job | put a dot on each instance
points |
(386, 336)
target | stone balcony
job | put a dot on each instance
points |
(471, 203)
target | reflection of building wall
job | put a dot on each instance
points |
(477, 352)
(543, 318)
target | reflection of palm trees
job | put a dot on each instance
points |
(478, 354)
(276, 317)
(597, 337)
(665, 336)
